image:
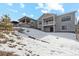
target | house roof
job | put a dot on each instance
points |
(46, 14)
(68, 13)
(49, 14)
(15, 22)
(26, 18)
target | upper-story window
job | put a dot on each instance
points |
(66, 18)
(51, 19)
(40, 22)
(48, 19)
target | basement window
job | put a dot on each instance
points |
(64, 27)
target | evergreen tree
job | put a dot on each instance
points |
(5, 23)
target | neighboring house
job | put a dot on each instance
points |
(57, 23)
(27, 22)
(15, 23)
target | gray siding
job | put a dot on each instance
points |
(70, 24)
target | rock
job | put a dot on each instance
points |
(28, 31)
(28, 55)
(3, 40)
(12, 46)
(19, 48)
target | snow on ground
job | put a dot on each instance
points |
(40, 34)
(43, 44)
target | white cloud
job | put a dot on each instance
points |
(47, 7)
(55, 6)
(40, 5)
(24, 14)
(10, 4)
(44, 11)
(22, 5)
(31, 15)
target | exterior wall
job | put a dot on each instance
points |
(30, 24)
(24, 25)
(39, 26)
(70, 24)
(33, 24)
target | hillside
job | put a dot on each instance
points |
(34, 42)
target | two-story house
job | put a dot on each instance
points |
(56, 23)
(27, 22)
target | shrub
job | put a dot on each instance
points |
(5, 24)
(11, 41)
(1, 35)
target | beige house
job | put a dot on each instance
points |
(27, 22)
(57, 23)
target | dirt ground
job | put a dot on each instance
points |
(4, 53)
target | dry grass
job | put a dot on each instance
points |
(4, 53)
(2, 36)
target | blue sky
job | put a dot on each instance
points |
(35, 10)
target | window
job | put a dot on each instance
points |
(46, 20)
(64, 27)
(67, 18)
(39, 28)
(40, 23)
(49, 19)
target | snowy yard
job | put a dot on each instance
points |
(33, 42)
